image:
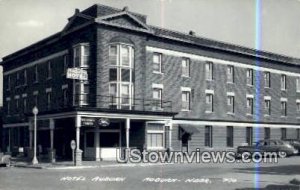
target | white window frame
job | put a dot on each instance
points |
(185, 67)
(209, 102)
(267, 101)
(283, 82)
(298, 105)
(188, 102)
(230, 74)
(81, 47)
(159, 99)
(250, 99)
(209, 70)
(159, 63)
(160, 132)
(231, 103)
(250, 80)
(298, 84)
(267, 79)
(283, 107)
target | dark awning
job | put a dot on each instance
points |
(189, 129)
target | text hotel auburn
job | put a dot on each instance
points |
(156, 88)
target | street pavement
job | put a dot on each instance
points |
(156, 176)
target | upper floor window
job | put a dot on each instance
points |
(18, 80)
(250, 77)
(25, 77)
(36, 98)
(8, 106)
(209, 102)
(267, 76)
(208, 136)
(49, 97)
(298, 85)
(283, 108)
(298, 105)
(249, 135)
(230, 103)
(283, 82)
(267, 132)
(157, 97)
(186, 96)
(230, 74)
(250, 105)
(49, 70)
(157, 63)
(283, 133)
(185, 63)
(8, 83)
(82, 92)
(65, 95)
(267, 107)
(209, 70)
(35, 74)
(229, 138)
(66, 64)
(81, 55)
(17, 102)
(24, 96)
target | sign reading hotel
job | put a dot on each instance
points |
(77, 73)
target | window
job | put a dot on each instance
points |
(249, 135)
(209, 102)
(298, 106)
(66, 64)
(49, 70)
(283, 108)
(208, 136)
(113, 93)
(157, 97)
(283, 82)
(298, 133)
(81, 55)
(250, 77)
(25, 77)
(267, 76)
(283, 133)
(185, 63)
(85, 92)
(298, 84)
(18, 80)
(8, 106)
(250, 105)
(17, 102)
(155, 136)
(24, 104)
(209, 70)
(230, 104)
(186, 96)
(230, 74)
(65, 96)
(229, 138)
(121, 76)
(267, 107)
(8, 83)
(267, 133)
(35, 74)
(36, 98)
(48, 94)
(157, 64)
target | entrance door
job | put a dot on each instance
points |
(185, 142)
(109, 145)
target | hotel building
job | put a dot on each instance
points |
(147, 87)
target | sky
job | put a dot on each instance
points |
(23, 22)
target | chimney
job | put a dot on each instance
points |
(192, 33)
(125, 8)
(77, 11)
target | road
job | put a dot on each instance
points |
(145, 176)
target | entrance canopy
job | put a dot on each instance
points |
(187, 129)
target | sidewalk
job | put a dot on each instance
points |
(43, 164)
